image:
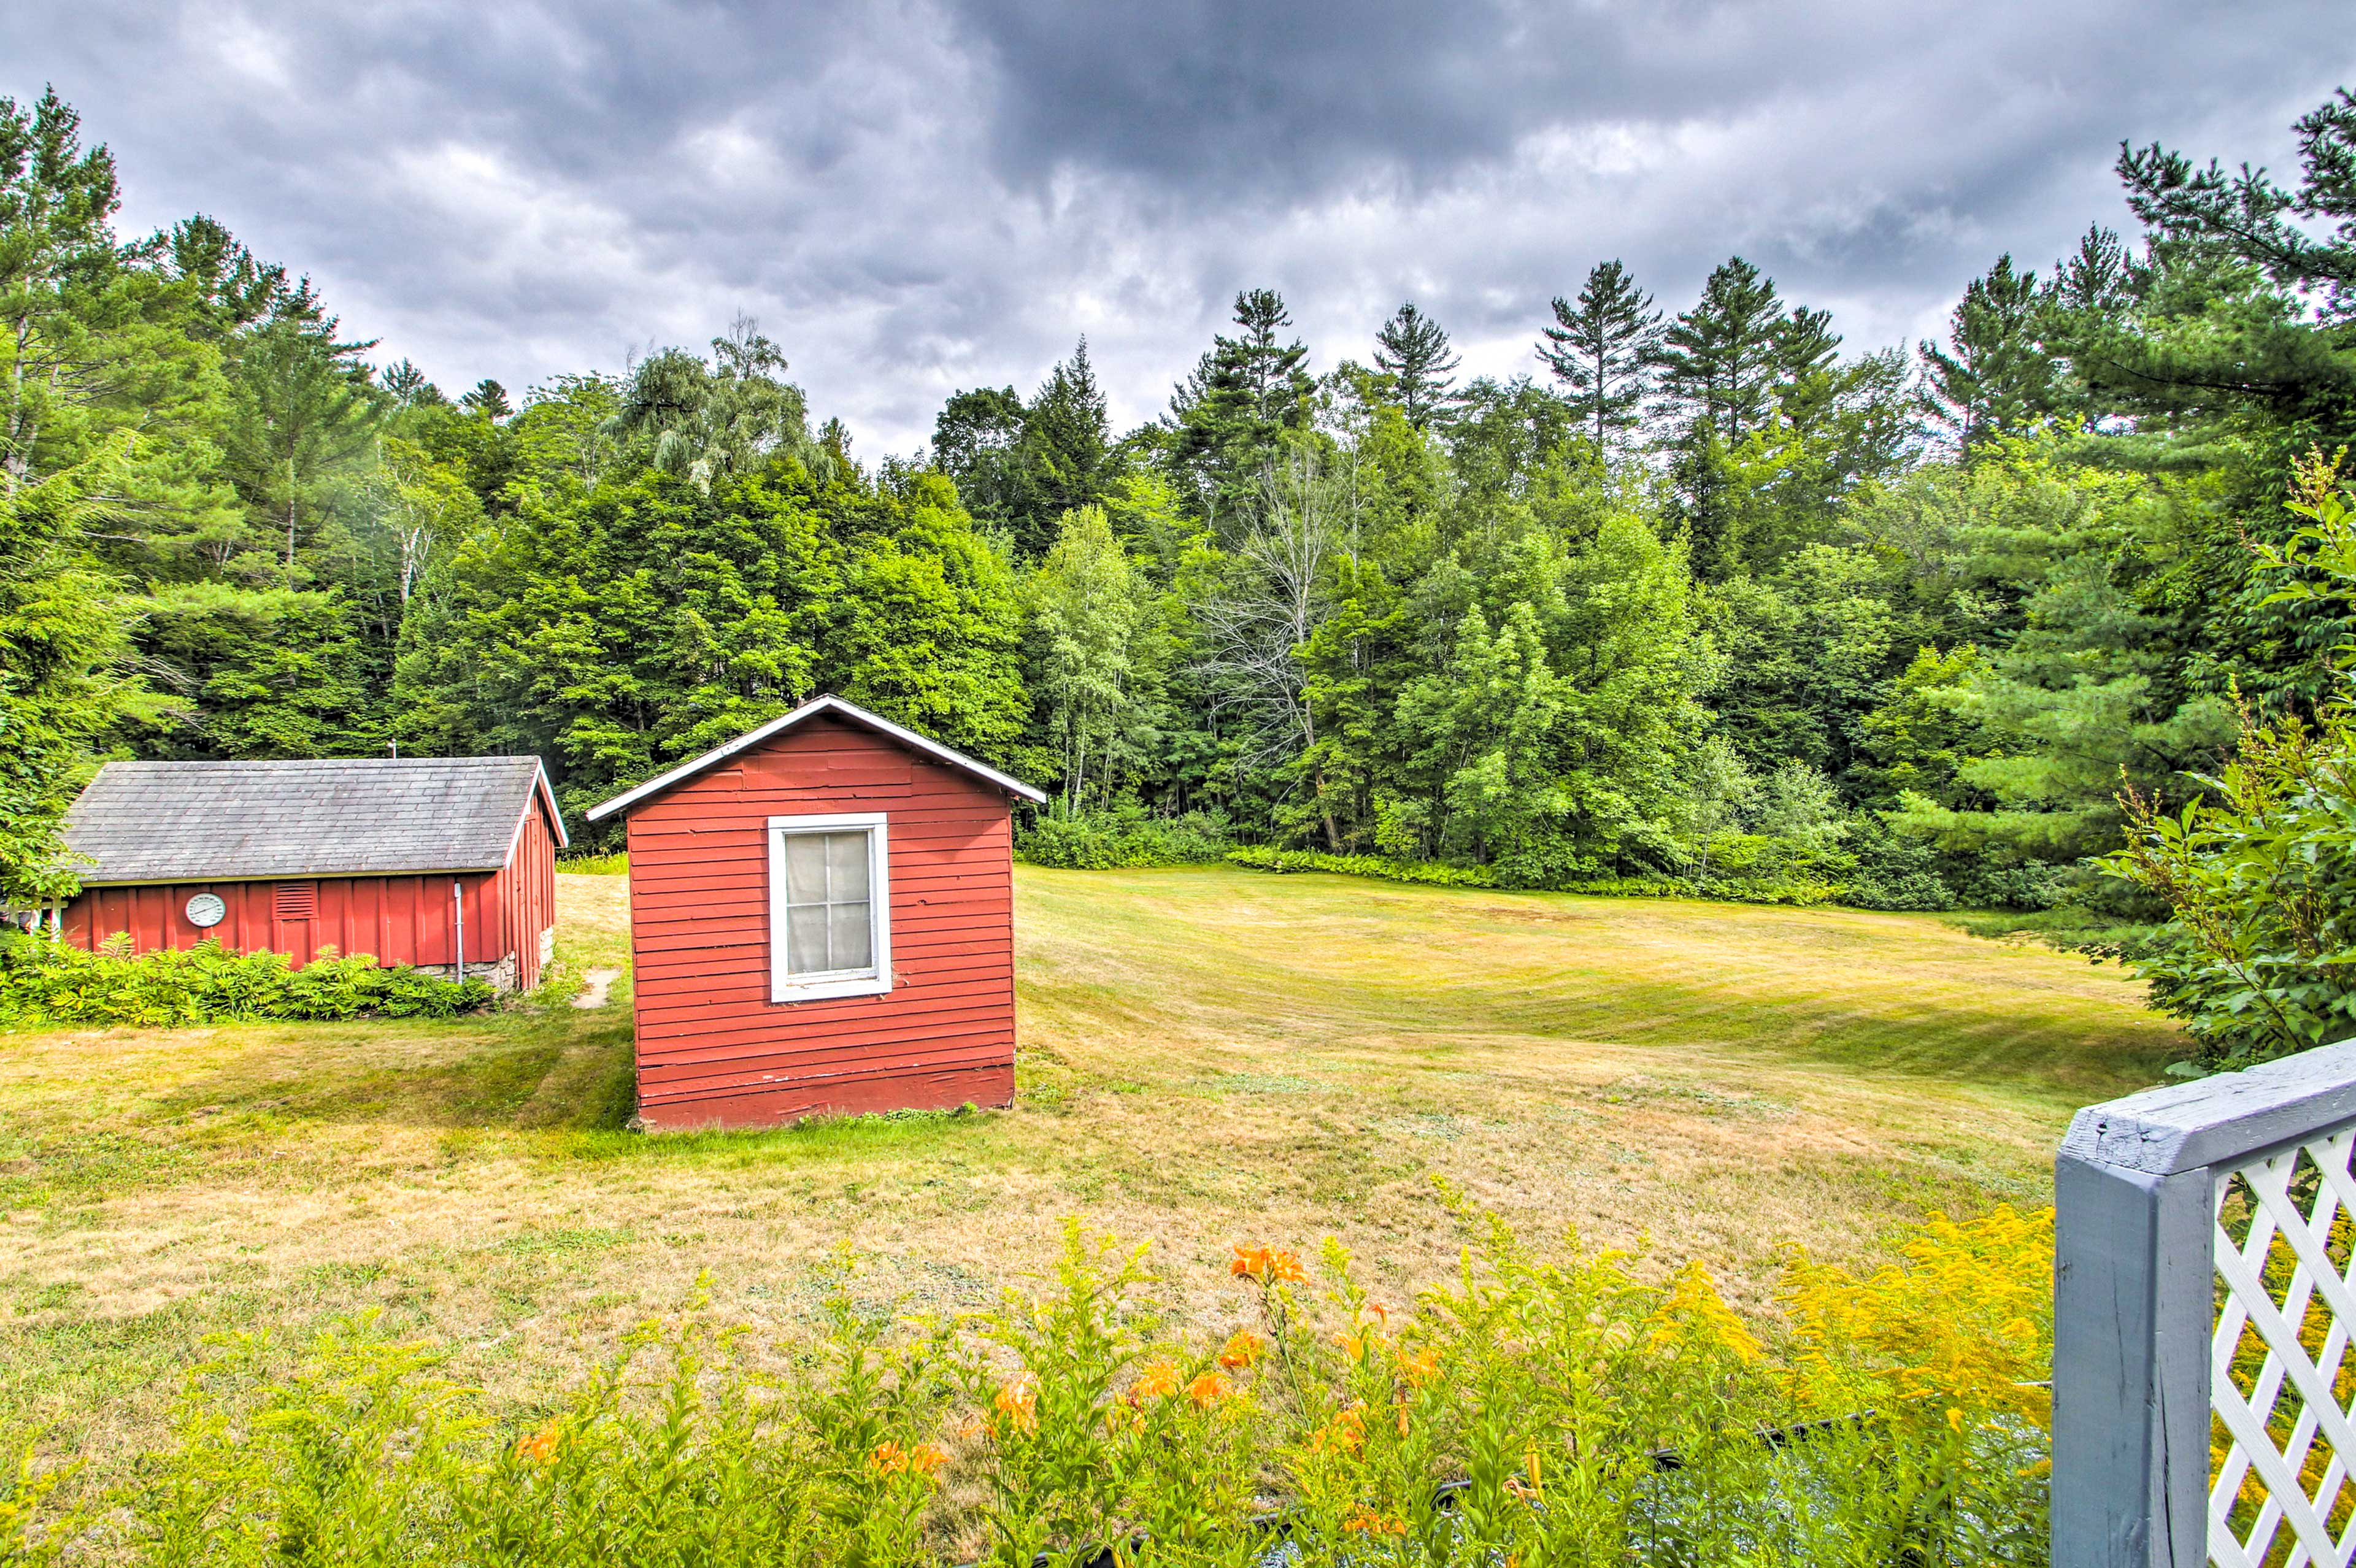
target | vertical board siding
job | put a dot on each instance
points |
(713, 1050)
(395, 920)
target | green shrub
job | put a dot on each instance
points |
(2258, 873)
(1788, 889)
(1440, 873)
(617, 864)
(1518, 1414)
(1110, 841)
(42, 981)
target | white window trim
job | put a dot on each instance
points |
(869, 982)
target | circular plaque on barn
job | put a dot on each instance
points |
(206, 910)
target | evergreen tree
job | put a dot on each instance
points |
(1062, 455)
(489, 400)
(1718, 362)
(304, 404)
(1413, 351)
(1995, 378)
(1602, 349)
(56, 257)
(407, 388)
(233, 287)
(1231, 418)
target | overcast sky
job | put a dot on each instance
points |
(915, 198)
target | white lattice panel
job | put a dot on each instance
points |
(2280, 1496)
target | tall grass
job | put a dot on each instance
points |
(1545, 1407)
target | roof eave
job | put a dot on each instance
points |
(924, 746)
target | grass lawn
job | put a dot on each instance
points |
(1209, 1055)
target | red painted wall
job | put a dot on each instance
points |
(713, 1050)
(396, 920)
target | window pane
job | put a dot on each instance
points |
(854, 947)
(806, 939)
(804, 868)
(846, 863)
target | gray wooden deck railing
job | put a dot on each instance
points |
(2167, 1324)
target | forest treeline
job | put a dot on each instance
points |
(1707, 597)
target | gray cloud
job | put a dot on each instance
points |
(919, 196)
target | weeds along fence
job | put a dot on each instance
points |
(2205, 1294)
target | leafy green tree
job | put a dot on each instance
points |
(268, 672)
(710, 422)
(423, 509)
(1088, 608)
(56, 201)
(929, 632)
(489, 400)
(68, 682)
(1602, 350)
(2089, 689)
(1413, 351)
(1807, 655)
(1917, 741)
(974, 441)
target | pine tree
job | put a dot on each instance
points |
(1995, 376)
(1413, 349)
(1061, 456)
(1718, 362)
(302, 403)
(1602, 349)
(490, 399)
(1248, 391)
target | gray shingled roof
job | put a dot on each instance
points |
(181, 822)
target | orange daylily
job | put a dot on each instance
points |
(1270, 1265)
(540, 1446)
(1421, 1368)
(1347, 1433)
(1242, 1350)
(1018, 1405)
(1159, 1380)
(891, 1459)
(1364, 1520)
(1209, 1389)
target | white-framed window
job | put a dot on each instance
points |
(829, 907)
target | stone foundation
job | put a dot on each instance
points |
(501, 975)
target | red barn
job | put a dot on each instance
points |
(404, 859)
(822, 921)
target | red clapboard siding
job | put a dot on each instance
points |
(712, 1050)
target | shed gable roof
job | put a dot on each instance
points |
(922, 745)
(182, 822)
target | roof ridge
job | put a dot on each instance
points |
(826, 702)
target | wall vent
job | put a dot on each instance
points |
(297, 901)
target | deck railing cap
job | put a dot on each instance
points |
(2208, 1121)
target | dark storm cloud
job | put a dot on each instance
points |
(920, 195)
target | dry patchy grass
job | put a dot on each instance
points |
(1209, 1055)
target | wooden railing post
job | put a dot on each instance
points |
(2132, 1311)
(2137, 1280)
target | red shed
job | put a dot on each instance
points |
(822, 921)
(403, 859)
